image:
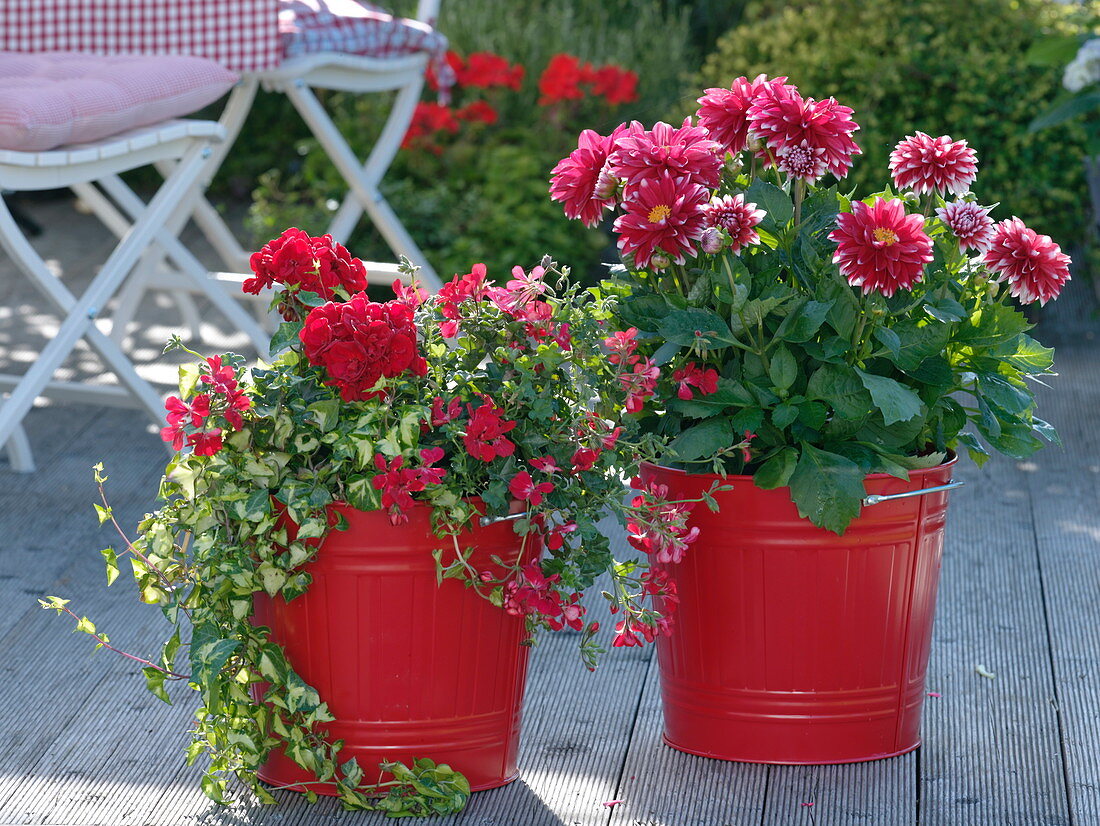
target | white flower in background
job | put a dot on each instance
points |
(1084, 69)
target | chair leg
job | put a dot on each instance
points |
(362, 188)
(19, 451)
(81, 312)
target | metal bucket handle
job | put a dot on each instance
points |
(876, 498)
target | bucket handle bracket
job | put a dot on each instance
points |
(876, 498)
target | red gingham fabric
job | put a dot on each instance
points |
(350, 27)
(242, 35)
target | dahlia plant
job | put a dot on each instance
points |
(480, 401)
(780, 327)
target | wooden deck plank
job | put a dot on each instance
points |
(665, 787)
(1065, 499)
(991, 749)
(880, 792)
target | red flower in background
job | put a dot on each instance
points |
(456, 64)
(485, 70)
(615, 84)
(429, 119)
(562, 79)
(360, 342)
(478, 112)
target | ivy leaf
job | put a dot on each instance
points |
(827, 488)
(896, 402)
(327, 413)
(703, 440)
(110, 559)
(154, 681)
(776, 472)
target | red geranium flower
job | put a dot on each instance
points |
(462, 288)
(666, 215)
(523, 487)
(690, 376)
(301, 262)
(1032, 264)
(881, 248)
(478, 112)
(485, 70)
(360, 342)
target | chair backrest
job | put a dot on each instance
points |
(427, 11)
(242, 35)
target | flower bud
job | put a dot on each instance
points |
(734, 164)
(711, 241)
(754, 144)
(660, 261)
(607, 185)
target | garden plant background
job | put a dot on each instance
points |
(938, 66)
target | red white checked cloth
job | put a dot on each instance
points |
(242, 35)
(349, 27)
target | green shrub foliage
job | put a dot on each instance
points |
(941, 66)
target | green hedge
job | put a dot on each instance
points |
(940, 66)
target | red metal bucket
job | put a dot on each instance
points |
(410, 668)
(792, 644)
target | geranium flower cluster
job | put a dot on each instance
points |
(298, 262)
(566, 78)
(658, 526)
(531, 592)
(398, 483)
(194, 421)
(358, 343)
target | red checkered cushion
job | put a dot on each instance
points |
(60, 98)
(350, 27)
(242, 35)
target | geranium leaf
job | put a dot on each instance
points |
(703, 440)
(776, 472)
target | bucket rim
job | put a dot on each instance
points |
(919, 473)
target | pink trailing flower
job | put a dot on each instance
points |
(523, 487)
(546, 464)
(574, 178)
(584, 459)
(881, 248)
(1034, 266)
(782, 119)
(738, 218)
(657, 526)
(665, 214)
(532, 592)
(556, 538)
(969, 222)
(924, 164)
(724, 112)
(462, 288)
(639, 384)
(206, 443)
(485, 439)
(409, 294)
(690, 376)
(684, 153)
(621, 346)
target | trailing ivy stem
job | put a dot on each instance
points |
(99, 640)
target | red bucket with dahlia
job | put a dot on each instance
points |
(826, 355)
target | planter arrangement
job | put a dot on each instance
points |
(827, 357)
(358, 539)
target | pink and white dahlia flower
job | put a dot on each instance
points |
(737, 218)
(881, 248)
(969, 222)
(665, 214)
(724, 112)
(1032, 264)
(802, 161)
(574, 178)
(926, 164)
(684, 152)
(782, 118)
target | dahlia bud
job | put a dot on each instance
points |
(711, 241)
(660, 261)
(754, 144)
(607, 185)
(734, 164)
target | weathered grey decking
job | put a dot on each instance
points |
(82, 743)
